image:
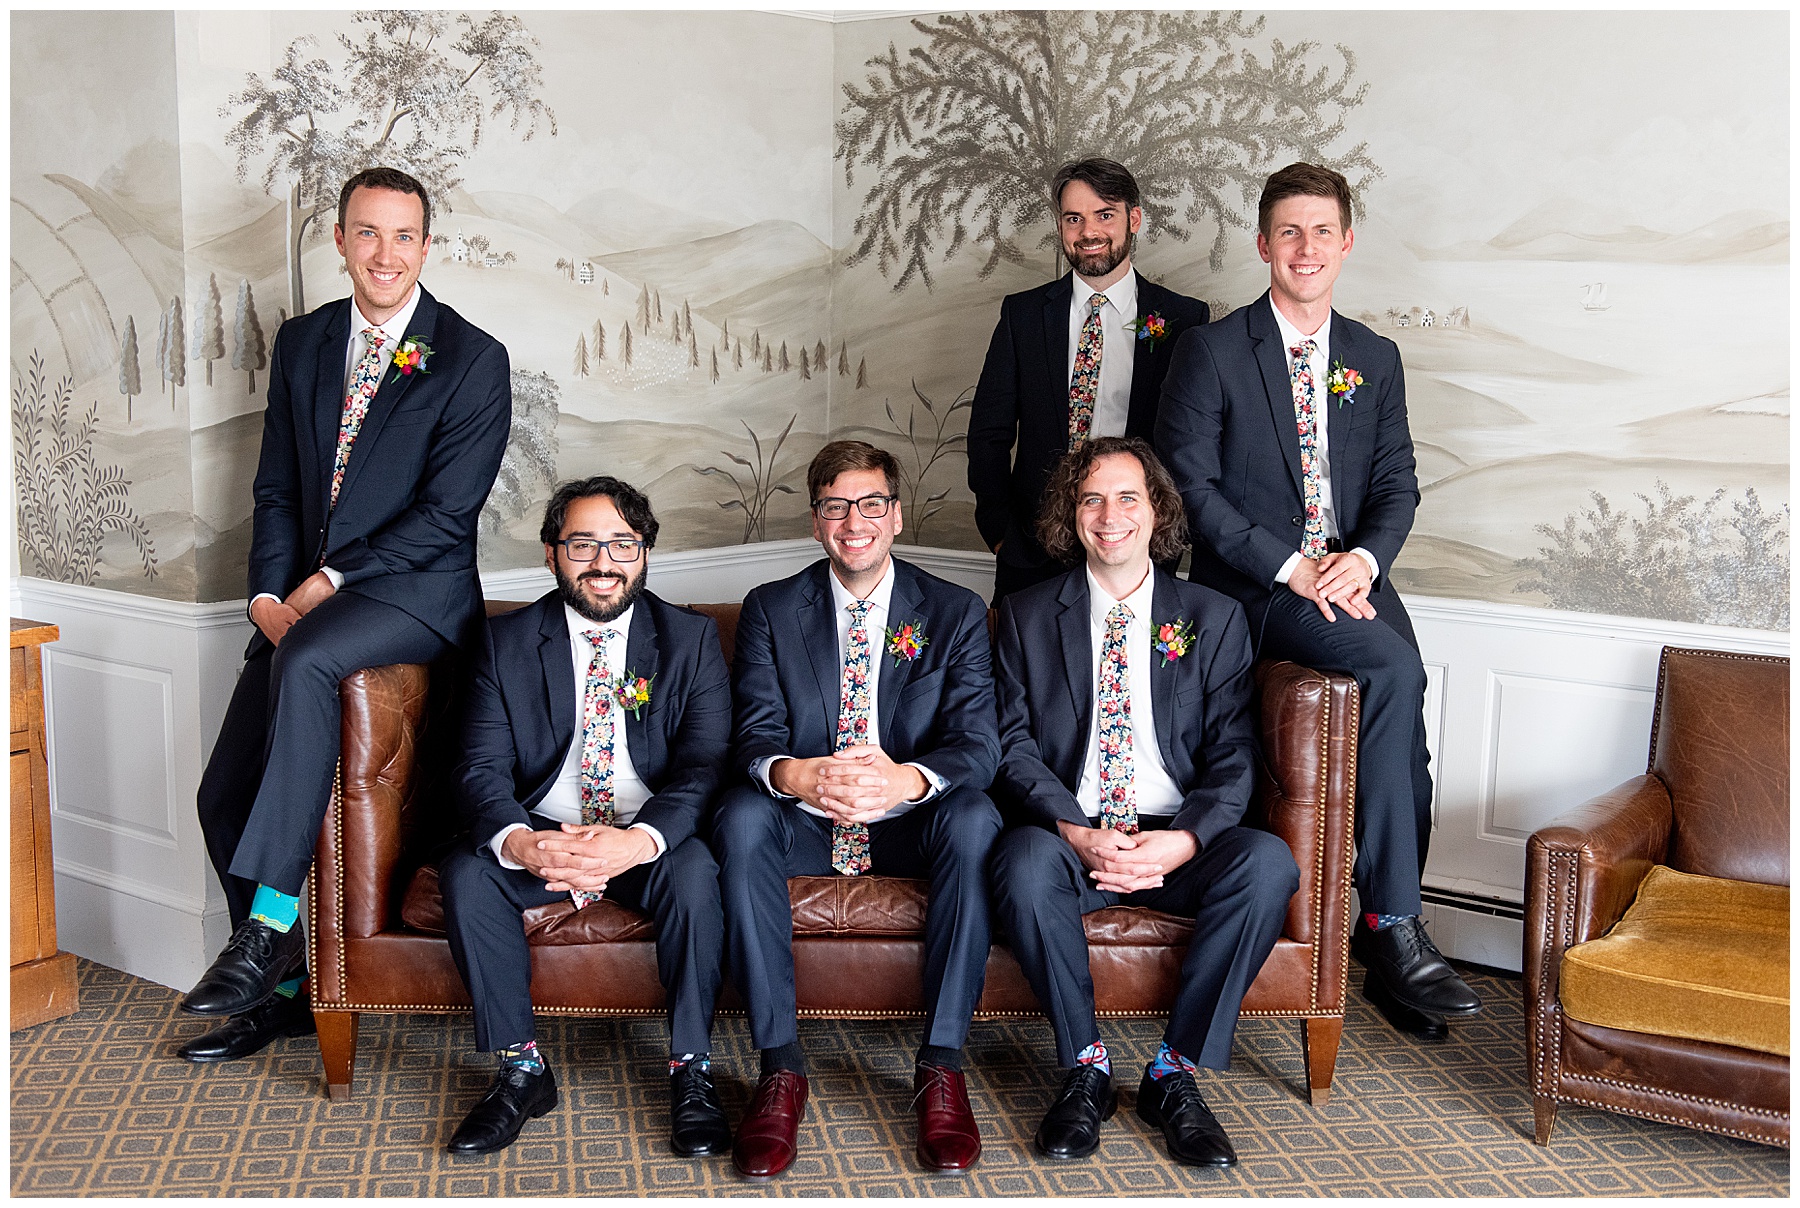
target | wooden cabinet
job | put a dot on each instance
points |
(43, 979)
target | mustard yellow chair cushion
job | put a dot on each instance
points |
(1697, 957)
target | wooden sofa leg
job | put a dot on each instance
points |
(337, 1045)
(1321, 1043)
(1543, 1111)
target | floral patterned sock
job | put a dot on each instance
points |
(1380, 922)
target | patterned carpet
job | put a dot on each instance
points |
(101, 1106)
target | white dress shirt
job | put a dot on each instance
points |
(1118, 349)
(1320, 361)
(877, 622)
(1157, 793)
(393, 331)
(563, 802)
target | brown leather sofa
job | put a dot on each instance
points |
(1713, 805)
(377, 935)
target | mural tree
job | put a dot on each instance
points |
(412, 90)
(248, 352)
(131, 381)
(174, 354)
(964, 132)
(530, 458)
(209, 326)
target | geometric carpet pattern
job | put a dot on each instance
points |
(101, 1106)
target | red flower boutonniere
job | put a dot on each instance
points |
(1173, 639)
(1343, 382)
(632, 691)
(1149, 327)
(906, 643)
(410, 356)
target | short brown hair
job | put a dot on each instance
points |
(1056, 519)
(847, 457)
(385, 178)
(1108, 178)
(1303, 180)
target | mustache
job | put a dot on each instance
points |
(598, 575)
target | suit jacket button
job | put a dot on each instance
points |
(1295, 521)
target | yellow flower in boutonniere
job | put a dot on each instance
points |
(1343, 382)
(906, 642)
(632, 691)
(1173, 639)
(410, 356)
(1149, 327)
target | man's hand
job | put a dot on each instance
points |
(1332, 580)
(272, 617)
(1121, 863)
(581, 857)
(858, 784)
(313, 591)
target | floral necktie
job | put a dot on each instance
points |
(363, 384)
(1306, 419)
(596, 745)
(1118, 798)
(1084, 382)
(850, 841)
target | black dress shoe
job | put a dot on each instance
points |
(697, 1125)
(1403, 1018)
(253, 1031)
(256, 959)
(1173, 1104)
(493, 1123)
(1071, 1128)
(1412, 972)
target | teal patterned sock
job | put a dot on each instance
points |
(277, 909)
(290, 987)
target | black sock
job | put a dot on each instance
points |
(784, 1057)
(936, 1054)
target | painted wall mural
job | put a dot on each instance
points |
(711, 241)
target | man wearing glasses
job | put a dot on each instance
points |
(866, 726)
(594, 737)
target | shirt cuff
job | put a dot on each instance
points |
(499, 841)
(336, 577)
(1374, 566)
(934, 784)
(759, 771)
(261, 595)
(1287, 568)
(655, 837)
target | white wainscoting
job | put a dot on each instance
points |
(1529, 712)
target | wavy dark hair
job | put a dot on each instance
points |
(385, 178)
(633, 505)
(1056, 519)
(1108, 178)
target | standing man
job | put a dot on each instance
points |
(594, 737)
(1128, 750)
(387, 418)
(1285, 427)
(865, 724)
(1082, 356)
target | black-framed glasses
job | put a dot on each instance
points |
(586, 549)
(834, 508)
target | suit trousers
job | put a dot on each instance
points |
(483, 903)
(1236, 890)
(761, 842)
(1393, 771)
(268, 782)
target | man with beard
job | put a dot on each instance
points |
(865, 730)
(595, 733)
(1080, 357)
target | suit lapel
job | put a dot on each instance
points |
(422, 326)
(1346, 469)
(1140, 419)
(643, 657)
(1271, 358)
(328, 397)
(903, 606)
(1056, 341)
(1072, 627)
(1164, 606)
(818, 633)
(559, 674)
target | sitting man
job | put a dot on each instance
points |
(865, 721)
(594, 737)
(1127, 746)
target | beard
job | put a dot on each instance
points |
(600, 614)
(1098, 264)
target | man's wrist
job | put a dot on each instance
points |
(1288, 568)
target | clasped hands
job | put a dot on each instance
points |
(275, 619)
(1122, 863)
(583, 856)
(858, 784)
(1342, 579)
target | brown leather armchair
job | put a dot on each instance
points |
(377, 935)
(1714, 804)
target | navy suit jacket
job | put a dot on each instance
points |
(1023, 396)
(936, 710)
(403, 531)
(1226, 430)
(520, 715)
(1201, 703)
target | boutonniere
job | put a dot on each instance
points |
(1343, 382)
(632, 691)
(1149, 327)
(907, 642)
(410, 356)
(1173, 639)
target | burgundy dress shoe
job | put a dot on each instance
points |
(948, 1138)
(771, 1129)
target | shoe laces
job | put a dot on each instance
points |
(1181, 1092)
(698, 1084)
(772, 1088)
(257, 941)
(937, 1084)
(1078, 1080)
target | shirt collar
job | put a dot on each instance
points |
(394, 328)
(578, 623)
(1122, 293)
(1139, 601)
(1292, 336)
(841, 598)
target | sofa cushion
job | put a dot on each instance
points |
(1701, 958)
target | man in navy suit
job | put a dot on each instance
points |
(865, 729)
(1127, 753)
(594, 737)
(387, 418)
(1082, 356)
(1284, 425)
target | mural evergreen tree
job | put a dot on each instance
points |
(175, 358)
(248, 351)
(599, 344)
(209, 326)
(131, 382)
